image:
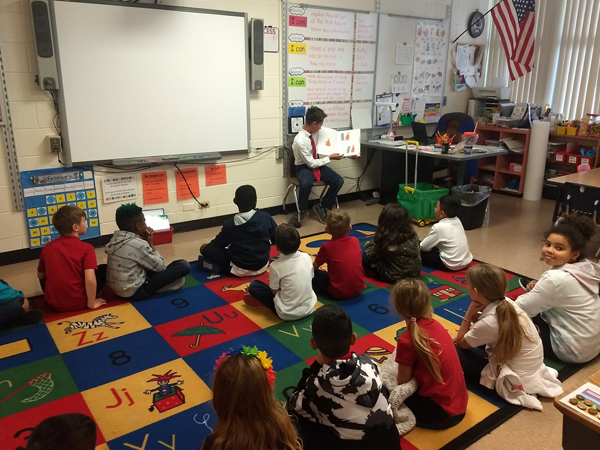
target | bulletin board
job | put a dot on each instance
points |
(329, 61)
(412, 59)
(45, 191)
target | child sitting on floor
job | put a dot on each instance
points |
(515, 356)
(135, 269)
(289, 293)
(564, 303)
(345, 277)
(446, 247)
(248, 415)
(394, 253)
(63, 432)
(70, 278)
(243, 246)
(340, 400)
(14, 308)
(427, 353)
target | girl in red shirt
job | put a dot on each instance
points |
(426, 352)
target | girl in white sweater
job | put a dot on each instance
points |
(515, 365)
(564, 302)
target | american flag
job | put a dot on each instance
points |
(515, 20)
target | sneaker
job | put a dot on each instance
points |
(294, 219)
(211, 267)
(31, 317)
(252, 302)
(321, 213)
(523, 282)
(174, 286)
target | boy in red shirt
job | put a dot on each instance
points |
(68, 273)
(345, 277)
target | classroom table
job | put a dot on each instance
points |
(579, 431)
(392, 165)
(588, 178)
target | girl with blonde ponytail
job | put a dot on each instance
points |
(515, 365)
(426, 352)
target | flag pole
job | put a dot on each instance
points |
(472, 23)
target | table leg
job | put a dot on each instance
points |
(557, 204)
(460, 173)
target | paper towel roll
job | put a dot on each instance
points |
(536, 160)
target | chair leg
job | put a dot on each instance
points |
(297, 203)
(287, 192)
(323, 192)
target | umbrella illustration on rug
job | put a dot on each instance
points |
(198, 332)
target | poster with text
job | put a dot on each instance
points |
(330, 61)
(187, 181)
(215, 174)
(155, 187)
(429, 58)
(119, 188)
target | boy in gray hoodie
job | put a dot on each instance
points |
(135, 269)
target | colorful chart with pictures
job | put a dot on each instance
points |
(144, 370)
(45, 191)
(429, 58)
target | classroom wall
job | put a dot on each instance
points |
(32, 113)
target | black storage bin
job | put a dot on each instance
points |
(474, 200)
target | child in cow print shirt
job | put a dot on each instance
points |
(340, 401)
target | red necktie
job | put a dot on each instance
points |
(316, 171)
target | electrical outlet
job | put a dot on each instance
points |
(205, 204)
(279, 153)
(55, 144)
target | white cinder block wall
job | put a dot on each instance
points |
(32, 113)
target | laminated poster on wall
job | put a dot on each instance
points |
(119, 188)
(189, 179)
(155, 187)
(429, 58)
(330, 141)
(46, 191)
(215, 175)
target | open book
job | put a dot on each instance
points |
(331, 141)
(512, 145)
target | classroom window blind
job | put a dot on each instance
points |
(567, 58)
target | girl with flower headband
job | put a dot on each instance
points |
(427, 353)
(248, 415)
(515, 356)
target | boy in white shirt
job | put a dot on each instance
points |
(311, 168)
(289, 293)
(446, 247)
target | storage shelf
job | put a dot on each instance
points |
(510, 172)
(574, 138)
(504, 130)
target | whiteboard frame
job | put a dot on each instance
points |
(61, 100)
(285, 22)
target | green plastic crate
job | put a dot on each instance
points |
(420, 202)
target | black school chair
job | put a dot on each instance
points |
(578, 199)
(295, 185)
(460, 122)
